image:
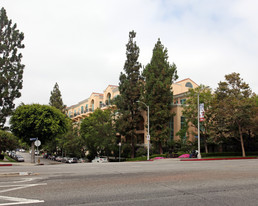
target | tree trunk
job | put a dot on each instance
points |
(32, 152)
(160, 148)
(205, 144)
(242, 141)
(133, 147)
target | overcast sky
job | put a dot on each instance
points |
(80, 44)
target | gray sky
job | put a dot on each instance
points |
(80, 44)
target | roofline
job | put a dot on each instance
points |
(184, 80)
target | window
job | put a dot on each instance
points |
(171, 127)
(189, 84)
(75, 112)
(182, 122)
(182, 101)
(92, 105)
(86, 108)
(81, 109)
(108, 98)
(100, 104)
(140, 125)
(140, 138)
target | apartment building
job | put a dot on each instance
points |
(103, 101)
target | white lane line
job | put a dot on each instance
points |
(18, 201)
(17, 187)
(24, 180)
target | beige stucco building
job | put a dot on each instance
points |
(102, 100)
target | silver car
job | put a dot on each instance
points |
(100, 160)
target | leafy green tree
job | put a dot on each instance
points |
(72, 144)
(42, 121)
(159, 75)
(7, 141)
(234, 109)
(56, 99)
(11, 68)
(128, 113)
(254, 125)
(190, 111)
(98, 132)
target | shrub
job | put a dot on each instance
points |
(141, 151)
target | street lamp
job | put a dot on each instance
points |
(199, 142)
(148, 135)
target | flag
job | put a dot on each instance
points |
(201, 112)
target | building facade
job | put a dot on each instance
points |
(103, 101)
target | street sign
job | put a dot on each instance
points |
(33, 139)
(37, 143)
(148, 137)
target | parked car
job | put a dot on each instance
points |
(12, 154)
(36, 152)
(72, 160)
(100, 160)
(19, 158)
(82, 160)
(59, 158)
(64, 159)
(51, 157)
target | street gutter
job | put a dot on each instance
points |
(211, 159)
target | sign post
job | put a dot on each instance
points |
(199, 141)
(37, 144)
(119, 144)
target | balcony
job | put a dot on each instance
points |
(102, 105)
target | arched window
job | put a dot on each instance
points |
(108, 98)
(92, 105)
(189, 84)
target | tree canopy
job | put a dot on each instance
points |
(159, 75)
(56, 99)
(98, 132)
(190, 111)
(11, 68)
(127, 104)
(7, 141)
(35, 120)
(234, 107)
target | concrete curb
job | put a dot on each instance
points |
(15, 164)
(6, 165)
(212, 159)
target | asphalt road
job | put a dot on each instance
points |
(162, 182)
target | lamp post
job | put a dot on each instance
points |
(199, 142)
(148, 134)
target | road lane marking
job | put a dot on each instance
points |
(18, 201)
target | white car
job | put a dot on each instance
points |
(100, 160)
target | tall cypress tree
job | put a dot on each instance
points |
(130, 92)
(159, 75)
(56, 99)
(11, 69)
